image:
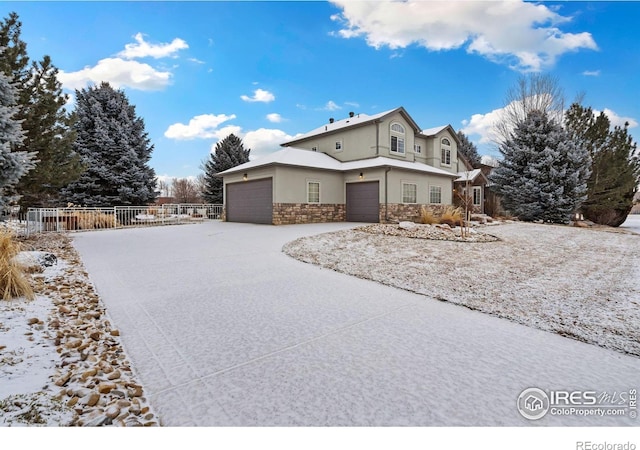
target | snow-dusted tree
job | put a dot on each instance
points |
(615, 170)
(229, 152)
(115, 150)
(13, 164)
(543, 174)
(469, 150)
(49, 133)
(41, 110)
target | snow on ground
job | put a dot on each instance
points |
(226, 330)
(28, 359)
(288, 344)
(579, 283)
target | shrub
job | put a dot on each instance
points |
(13, 283)
(451, 216)
(427, 216)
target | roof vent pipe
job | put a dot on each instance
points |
(351, 114)
(330, 119)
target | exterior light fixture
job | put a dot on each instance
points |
(244, 177)
(361, 176)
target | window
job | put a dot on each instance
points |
(477, 196)
(338, 146)
(409, 193)
(314, 149)
(417, 148)
(397, 138)
(445, 145)
(435, 194)
(313, 192)
(397, 144)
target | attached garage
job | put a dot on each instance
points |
(363, 200)
(250, 201)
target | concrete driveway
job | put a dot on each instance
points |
(225, 330)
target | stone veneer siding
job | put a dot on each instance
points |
(292, 213)
(399, 212)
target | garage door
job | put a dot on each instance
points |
(363, 202)
(250, 201)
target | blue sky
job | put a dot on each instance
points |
(266, 71)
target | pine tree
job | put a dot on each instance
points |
(114, 148)
(13, 164)
(543, 173)
(41, 111)
(229, 152)
(49, 132)
(615, 170)
(469, 150)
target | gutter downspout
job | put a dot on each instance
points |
(386, 193)
(377, 138)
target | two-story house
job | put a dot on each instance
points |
(364, 168)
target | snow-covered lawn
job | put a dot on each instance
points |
(579, 283)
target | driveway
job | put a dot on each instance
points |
(224, 329)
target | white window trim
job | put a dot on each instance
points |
(339, 143)
(319, 190)
(415, 185)
(473, 195)
(417, 148)
(430, 196)
(400, 136)
(444, 147)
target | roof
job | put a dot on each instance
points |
(296, 157)
(349, 122)
(469, 175)
(433, 131)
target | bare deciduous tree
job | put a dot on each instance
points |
(533, 92)
(184, 190)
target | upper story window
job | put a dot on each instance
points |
(338, 146)
(417, 148)
(445, 145)
(314, 149)
(397, 138)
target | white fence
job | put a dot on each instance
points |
(75, 219)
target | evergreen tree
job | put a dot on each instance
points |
(14, 62)
(49, 133)
(114, 149)
(40, 103)
(469, 150)
(229, 152)
(543, 175)
(13, 164)
(615, 170)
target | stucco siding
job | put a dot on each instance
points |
(292, 185)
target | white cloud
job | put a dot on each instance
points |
(591, 73)
(204, 126)
(524, 35)
(259, 95)
(483, 125)
(331, 106)
(274, 117)
(119, 73)
(143, 49)
(264, 141)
